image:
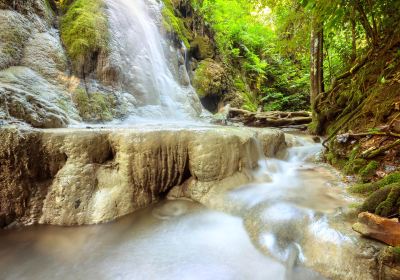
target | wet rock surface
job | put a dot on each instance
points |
(75, 177)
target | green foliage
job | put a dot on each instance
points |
(94, 106)
(84, 29)
(247, 38)
(251, 102)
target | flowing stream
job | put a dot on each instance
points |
(255, 231)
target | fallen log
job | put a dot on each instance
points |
(269, 119)
(379, 228)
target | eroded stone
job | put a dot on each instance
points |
(75, 177)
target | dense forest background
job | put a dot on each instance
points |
(280, 55)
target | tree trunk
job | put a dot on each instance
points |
(370, 31)
(353, 35)
(317, 60)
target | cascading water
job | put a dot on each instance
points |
(138, 49)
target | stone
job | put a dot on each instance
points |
(15, 30)
(210, 78)
(379, 228)
(389, 263)
(44, 54)
(26, 96)
(79, 176)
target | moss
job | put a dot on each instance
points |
(173, 24)
(371, 187)
(391, 203)
(202, 48)
(334, 160)
(364, 188)
(369, 170)
(95, 106)
(376, 198)
(396, 253)
(210, 79)
(84, 29)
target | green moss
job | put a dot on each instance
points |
(210, 79)
(84, 29)
(396, 253)
(364, 188)
(95, 106)
(371, 187)
(369, 170)
(202, 48)
(353, 166)
(375, 199)
(384, 201)
(173, 24)
(391, 203)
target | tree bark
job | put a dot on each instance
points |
(317, 60)
(353, 35)
(370, 31)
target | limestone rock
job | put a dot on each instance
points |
(379, 228)
(44, 54)
(75, 177)
(26, 96)
(15, 30)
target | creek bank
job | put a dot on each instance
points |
(78, 176)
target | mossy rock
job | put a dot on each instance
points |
(369, 170)
(353, 166)
(95, 106)
(368, 188)
(201, 48)
(384, 202)
(210, 79)
(175, 25)
(84, 32)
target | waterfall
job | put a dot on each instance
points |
(138, 50)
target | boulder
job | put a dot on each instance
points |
(379, 228)
(211, 83)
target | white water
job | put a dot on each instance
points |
(139, 51)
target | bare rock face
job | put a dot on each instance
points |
(33, 66)
(75, 177)
(27, 96)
